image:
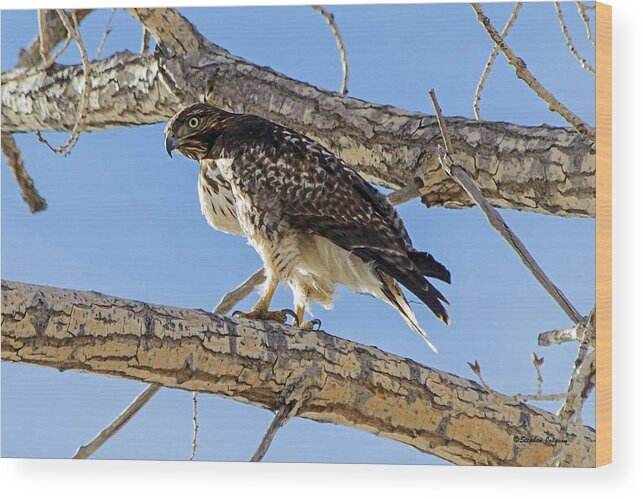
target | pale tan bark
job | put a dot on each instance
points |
(264, 364)
(542, 169)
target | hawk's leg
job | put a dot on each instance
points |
(306, 324)
(260, 310)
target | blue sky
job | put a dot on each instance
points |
(124, 219)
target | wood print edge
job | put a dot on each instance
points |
(604, 234)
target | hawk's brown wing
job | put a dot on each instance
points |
(291, 177)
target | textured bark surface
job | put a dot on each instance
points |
(542, 169)
(267, 365)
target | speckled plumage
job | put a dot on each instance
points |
(313, 220)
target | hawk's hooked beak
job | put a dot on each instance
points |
(170, 144)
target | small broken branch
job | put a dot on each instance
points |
(492, 59)
(568, 40)
(585, 131)
(106, 33)
(56, 33)
(582, 11)
(282, 416)
(145, 41)
(195, 426)
(460, 175)
(539, 377)
(28, 73)
(130, 411)
(43, 36)
(519, 397)
(330, 19)
(233, 297)
(584, 328)
(30, 194)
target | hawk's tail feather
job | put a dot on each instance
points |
(398, 301)
(404, 271)
(429, 266)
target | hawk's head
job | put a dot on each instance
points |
(193, 130)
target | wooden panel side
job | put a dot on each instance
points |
(603, 234)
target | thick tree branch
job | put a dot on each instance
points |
(354, 385)
(128, 90)
(542, 169)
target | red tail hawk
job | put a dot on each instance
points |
(313, 220)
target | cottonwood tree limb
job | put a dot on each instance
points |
(542, 169)
(251, 361)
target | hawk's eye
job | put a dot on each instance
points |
(193, 122)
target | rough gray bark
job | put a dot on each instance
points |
(262, 364)
(542, 169)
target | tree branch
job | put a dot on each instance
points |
(522, 72)
(85, 451)
(330, 19)
(568, 40)
(56, 32)
(541, 169)
(30, 194)
(492, 58)
(356, 385)
(496, 221)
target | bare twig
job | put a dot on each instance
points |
(74, 32)
(584, 328)
(581, 383)
(195, 424)
(43, 36)
(582, 11)
(586, 131)
(130, 411)
(145, 41)
(56, 33)
(106, 33)
(568, 40)
(233, 297)
(41, 69)
(13, 156)
(282, 416)
(539, 377)
(558, 336)
(475, 367)
(297, 392)
(492, 59)
(460, 175)
(330, 19)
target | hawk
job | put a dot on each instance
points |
(312, 219)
